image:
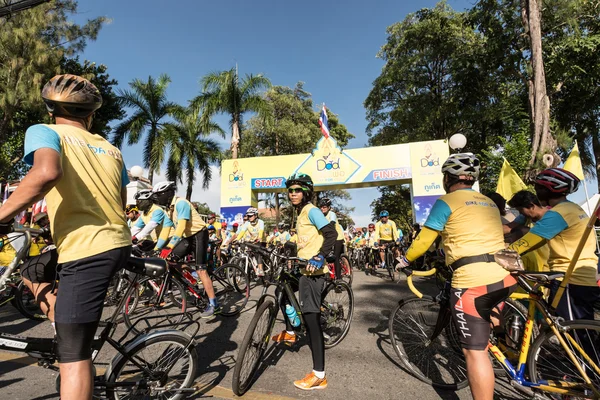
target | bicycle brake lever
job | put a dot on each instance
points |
(407, 271)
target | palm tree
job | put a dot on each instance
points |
(150, 106)
(222, 92)
(189, 149)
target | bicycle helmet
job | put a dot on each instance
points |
(462, 165)
(131, 208)
(325, 202)
(211, 228)
(224, 224)
(143, 199)
(557, 181)
(235, 224)
(71, 96)
(305, 181)
(384, 213)
(251, 211)
(212, 216)
(371, 225)
(164, 192)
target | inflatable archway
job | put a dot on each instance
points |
(330, 167)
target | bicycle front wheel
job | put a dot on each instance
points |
(433, 360)
(346, 269)
(232, 289)
(253, 346)
(549, 362)
(337, 310)
(162, 366)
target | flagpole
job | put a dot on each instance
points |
(587, 196)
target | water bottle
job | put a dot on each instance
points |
(515, 328)
(292, 315)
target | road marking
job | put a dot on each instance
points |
(217, 391)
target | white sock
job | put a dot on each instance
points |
(292, 333)
(319, 374)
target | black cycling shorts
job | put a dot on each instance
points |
(472, 308)
(84, 283)
(41, 268)
(384, 242)
(311, 293)
(197, 244)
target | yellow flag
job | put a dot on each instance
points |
(573, 163)
(509, 182)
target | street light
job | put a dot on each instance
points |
(457, 142)
(136, 172)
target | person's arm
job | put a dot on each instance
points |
(43, 152)
(527, 243)
(376, 238)
(395, 235)
(124, 183)
(326, 228)
(421, 244)
(240, 233)
(261, 230)
(136, 227)
(551, 224)
(184, 214)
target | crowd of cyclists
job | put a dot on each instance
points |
(83, 179)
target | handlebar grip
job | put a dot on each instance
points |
(412, 287)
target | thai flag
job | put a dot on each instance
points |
(39, 207)
(323, 122)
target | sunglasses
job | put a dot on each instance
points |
(295, 190)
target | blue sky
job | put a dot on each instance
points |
(331, 46)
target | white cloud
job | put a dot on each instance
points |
(362, 220)
(210, 196)
(417, 206)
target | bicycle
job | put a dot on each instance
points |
(168, 297)
(337, 310)
(389, 258)
(129, 372)
(554, 357)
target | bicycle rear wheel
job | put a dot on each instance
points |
(232, 289)
(549, 362)
(253, 346)
(169, 367)
(24, 301)
(346, 269)
(337, 310)
(437, 361)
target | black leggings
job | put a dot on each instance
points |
(196, 244)
(338, 248)
(315, 340)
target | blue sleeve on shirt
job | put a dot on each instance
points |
(139, 223)
(551, 224)
(124, 177)
(332, 216)
(158, 216)
(40, 137)
(317, 218)
(184, 211)
(440, 212)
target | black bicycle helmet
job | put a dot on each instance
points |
(71, 96)
(325, 202)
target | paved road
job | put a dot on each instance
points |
(363, 366)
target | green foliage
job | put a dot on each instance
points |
(151, 108)
(223, 92)
(203, 208)
(111, 109)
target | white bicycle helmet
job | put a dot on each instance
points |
(462, 164)
(164, 186)
(144, 194)
(251, 211)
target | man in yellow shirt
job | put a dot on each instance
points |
(84, 180)
(386, 233)
(470, 226)
(338, 249)
(562, 228)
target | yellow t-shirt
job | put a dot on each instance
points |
(293, 239)
(182, 210)
(218, 228)
(563, 227)
(310, 239)
(331, 216)
(470, 225)
(250, 232)
(85, 207)
(387, 231)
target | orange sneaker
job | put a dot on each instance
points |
(284, 337)
(311, 382)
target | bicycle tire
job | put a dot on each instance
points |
(244, 375)
(25, 303)
(346, 269)
(390, 265)
(232, 289)
(172, 314)
(337, 311)
(175, 355)
(546, 348)
(435, 362)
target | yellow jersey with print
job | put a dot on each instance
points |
(470, 225)
(157, 222)
(85, 207)
(535, 260)
(218, 226)
(250, 232)
(563, 228)
(310, 240)
(182, 212)
(293, 238)
(387, 231)
(331, 216)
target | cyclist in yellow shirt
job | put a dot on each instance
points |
(385, 234)
(338, 249)
(470, 226)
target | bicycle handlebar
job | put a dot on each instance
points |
(409, 274)
(30, 230)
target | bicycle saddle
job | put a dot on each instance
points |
(153, 267)
(542, 277)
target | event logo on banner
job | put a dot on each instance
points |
(328, 164)
(430, 161)
(236, 177)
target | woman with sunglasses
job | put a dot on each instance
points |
(316, 238)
